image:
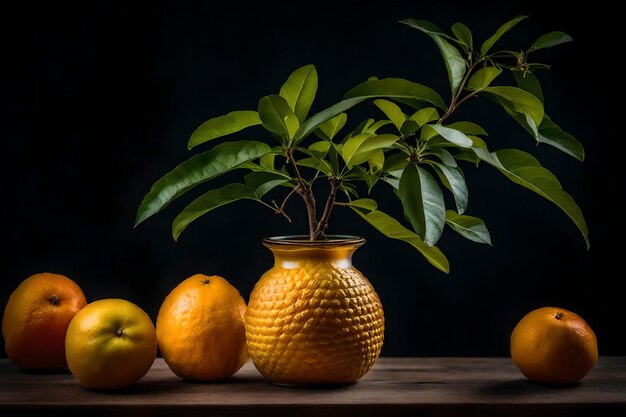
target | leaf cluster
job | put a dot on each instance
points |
(409, 145)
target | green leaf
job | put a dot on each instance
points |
(451, 135)
(483, 77)
(552, 134)
(278, 117)
(549, 40)
(517, 55)
(317, 164)
(463, 34)
(547, 132)
(425, 115)
(299, 90)
(456, 183)
(519, 101)
(376, 161)
(393, 180)
(210, 201)
(486, 46)
(413, 94)
(348, 189)
(423, 203)
(523, 169)
(469, 227)
(320, 148)
(331, 127)
(361, 128)
(455, 64)
(425, 26)
(317, 119)
(333, 159)
(358, 149)
(223, 125)
(364, 203)
(468, 154)
(445, 156)
(196, 170)
(371, 146)
(267, 161)
(469, 128)
(391, 228)
(263, 182)
(352, 145)
(436, 141)
(478, 142)
(409, 127)
(528, 82)
(360, 173)
(392, 111)
(396, 162)
(373, 128)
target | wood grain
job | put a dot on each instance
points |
(395, 386)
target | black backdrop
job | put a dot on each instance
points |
(99, 99)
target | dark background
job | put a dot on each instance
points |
(99, 99)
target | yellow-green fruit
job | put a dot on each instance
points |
(110, 344)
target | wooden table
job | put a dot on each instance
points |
(395, 386)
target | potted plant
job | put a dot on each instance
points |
(314, 318)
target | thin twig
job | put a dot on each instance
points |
(275, 210)
(470, 95)
(454, 102)
(292, 192)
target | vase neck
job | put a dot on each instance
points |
(291, 253)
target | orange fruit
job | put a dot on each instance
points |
(553, 345)
(110, 344)
(36, 318)
(200, 329)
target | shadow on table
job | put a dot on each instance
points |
(141, 389)
(522, 387)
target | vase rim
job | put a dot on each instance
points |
(303, 240)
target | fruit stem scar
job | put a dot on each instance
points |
(119, 333)
(54, 300)
(206, 281)
(559, 316)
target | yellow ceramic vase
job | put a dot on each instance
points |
(314, 318)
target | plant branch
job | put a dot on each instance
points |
(276, 210)
(307, 195)
(292, 192)
(468, 96)
(323, 223)
(292, 161)
(455, 102)
(309, 201)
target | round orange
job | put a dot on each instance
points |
(554, 345)
(36, 318)
(200, 329)
(110, 344)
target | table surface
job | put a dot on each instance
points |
(395, 386)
